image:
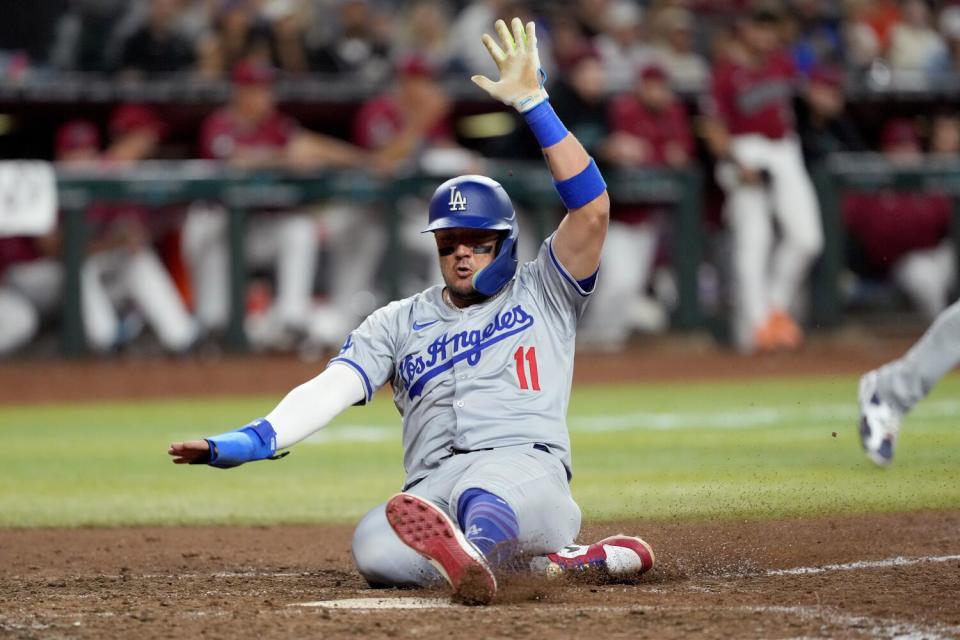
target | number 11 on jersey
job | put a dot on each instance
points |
(527, 358)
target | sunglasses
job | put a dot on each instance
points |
(478, 249)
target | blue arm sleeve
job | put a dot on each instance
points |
(255, 441)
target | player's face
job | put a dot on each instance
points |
(656, 94)
(761, 36)
(255, 102)
(463, 252)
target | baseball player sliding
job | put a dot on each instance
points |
(481, 370)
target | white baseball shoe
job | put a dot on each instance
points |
(879, 422)
(426, 529)
(617, 556)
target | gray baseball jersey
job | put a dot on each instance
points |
(490, 375)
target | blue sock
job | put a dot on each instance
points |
(490, 524)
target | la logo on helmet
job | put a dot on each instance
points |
(458, 202)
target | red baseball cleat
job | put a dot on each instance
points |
(426, 529)
(617, 556)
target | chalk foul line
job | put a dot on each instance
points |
(899, 561)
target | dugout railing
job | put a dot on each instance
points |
(164, 183)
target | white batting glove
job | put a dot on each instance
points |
(520, 82)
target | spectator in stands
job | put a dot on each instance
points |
(948, 62)
(361, 46)
(817, 40)
(862, 43)
(425, 30)
(649, 127)
(591, 15)
(82, 32)
(620, 46)
(579, 98)
(288, 26)
(476, 18)
(945, 136)
(673, 28)
(914, 44)
(122, 266)
(566, 39)
(239, 32)
(823, 124)
(882, 16)
(250, 133)
(904, 235)
(156, 47)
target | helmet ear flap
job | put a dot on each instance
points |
(498, 273)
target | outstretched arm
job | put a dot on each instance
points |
(579, 239)
(302, 412)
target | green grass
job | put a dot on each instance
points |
(745, 449)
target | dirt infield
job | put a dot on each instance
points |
(712, 580)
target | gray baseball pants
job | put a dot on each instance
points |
(533, 482)
(904, 382)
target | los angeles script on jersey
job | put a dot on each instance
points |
(418, 368)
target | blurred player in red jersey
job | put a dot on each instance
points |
(250, 133)
(749, 127)
(122, 266)
(408, 128)
(31, 279)
(649, 127)
(901, 234)
(31, 274)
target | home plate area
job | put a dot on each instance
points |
(865, 576)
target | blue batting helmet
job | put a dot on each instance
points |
(477, 202)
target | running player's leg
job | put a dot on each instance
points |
(798, 213)
(904, 382)
(149, 284)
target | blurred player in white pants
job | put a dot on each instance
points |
(250, 133)
(749, 128)
(649, 128)
(122, 264)
(409, 128)
(31, 281)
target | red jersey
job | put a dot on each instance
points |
(754, 99)
(889, 224)
(658, 129)
(17, 249)
(222, 134)
(381, 119)
(628, 114)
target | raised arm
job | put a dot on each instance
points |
(579, 238)
(305, 410)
